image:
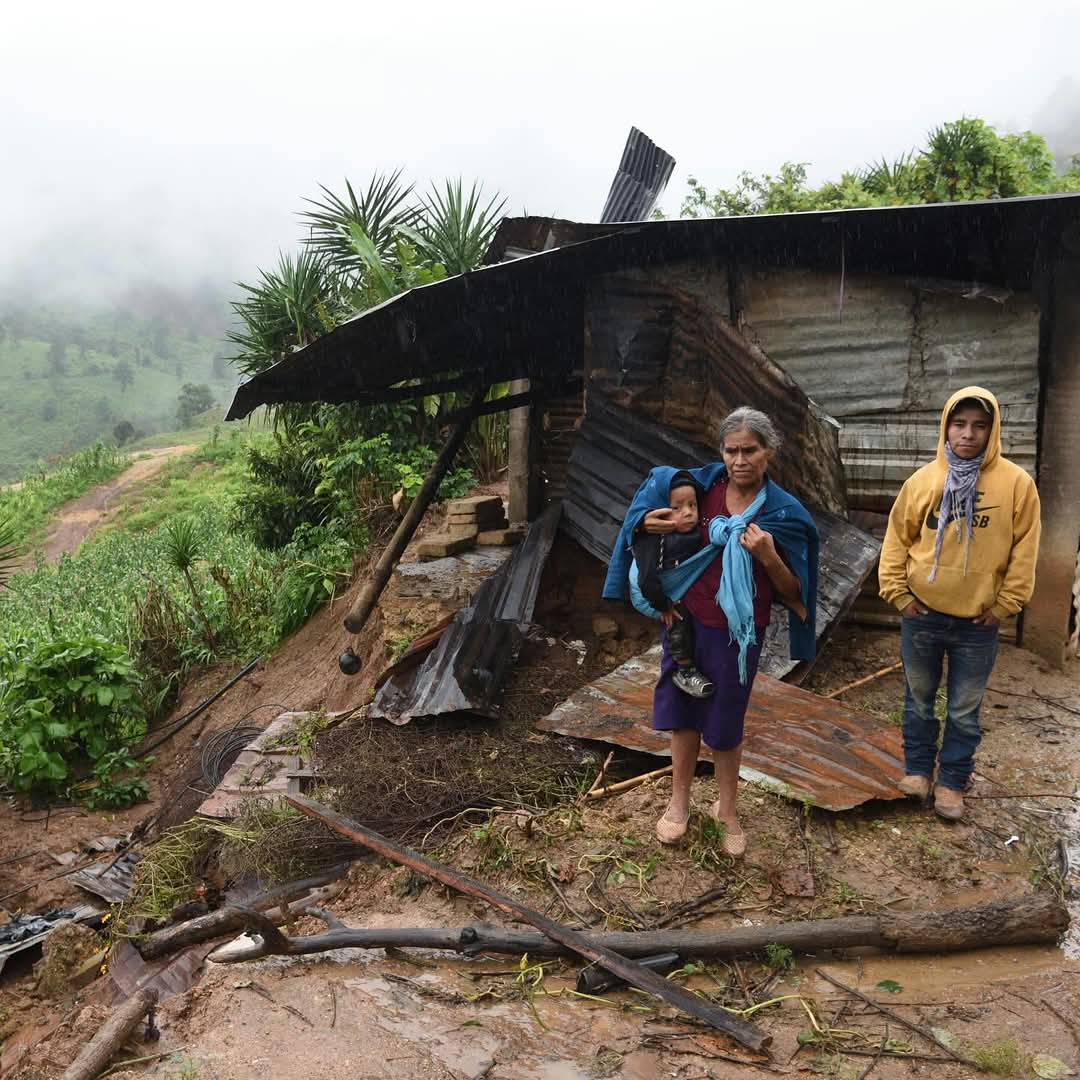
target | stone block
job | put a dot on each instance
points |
(501, 537)
(441, 545)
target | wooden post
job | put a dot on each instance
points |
(1046, 618)
(524, 465)
(380, 574)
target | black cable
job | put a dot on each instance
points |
(184, 721)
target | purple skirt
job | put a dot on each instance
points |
(719, 718)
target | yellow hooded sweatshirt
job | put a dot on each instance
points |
(1004, 546)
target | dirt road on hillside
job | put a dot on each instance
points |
(76, 520)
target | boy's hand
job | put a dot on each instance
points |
(659, 521)
(987, 618)
(668, 617)
(913, 609)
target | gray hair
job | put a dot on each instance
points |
(753, 420)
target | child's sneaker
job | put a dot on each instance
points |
(690, 681)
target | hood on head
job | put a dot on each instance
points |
(993, 447)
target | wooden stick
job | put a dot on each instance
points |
(926, 1033)
(626, 785)
(380, 573)
(749, 1035)
(232, 919)
(1065, 1020)
(600, 775)
(866, 679)
(121, 1025)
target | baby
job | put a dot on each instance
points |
(653, 553)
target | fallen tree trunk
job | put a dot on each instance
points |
(1040, 918)
(98, 1052)
(232, 919)
(749, 1035)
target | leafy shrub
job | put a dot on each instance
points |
(63, 699)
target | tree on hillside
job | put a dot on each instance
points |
(48, 410)
(194, 398)
(124, 374)
(964, 159)
(123, 432)
(57, 357)
(219, 368)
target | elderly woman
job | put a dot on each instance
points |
(760, 545)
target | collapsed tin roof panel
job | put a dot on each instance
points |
(614, 450)
(803, 746)
(466, 669)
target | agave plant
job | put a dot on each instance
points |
(379, 213)
(456, 229)
(182, 548)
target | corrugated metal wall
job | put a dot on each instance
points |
(884, 364)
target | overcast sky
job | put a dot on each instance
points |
(158, 140)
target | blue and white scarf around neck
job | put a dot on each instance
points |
(957, 503)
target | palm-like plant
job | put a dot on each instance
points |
(897, 178)
(182, 548)
(379, 213)
(456, 229)
(287, 308)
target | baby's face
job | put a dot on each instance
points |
(684, 503)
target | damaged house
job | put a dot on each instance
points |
(627, 343)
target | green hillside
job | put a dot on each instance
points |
(69, 378)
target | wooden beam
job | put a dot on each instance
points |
(749, 1035)
(1046, 618)
(380, 574)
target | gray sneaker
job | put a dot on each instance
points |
(690, 681)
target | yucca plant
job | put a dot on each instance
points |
(455, 228)
(182, 548)
(287, 308)
(378, 213)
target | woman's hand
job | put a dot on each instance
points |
(668, 617)
(759, 543)
(659, 521)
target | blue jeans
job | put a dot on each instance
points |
(925, 641)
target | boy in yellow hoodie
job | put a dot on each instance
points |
(958, 557)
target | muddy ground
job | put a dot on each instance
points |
(360, 1013)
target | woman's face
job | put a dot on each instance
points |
(746, 459)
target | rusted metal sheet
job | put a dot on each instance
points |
(169, 976)
(616, 448)
(643, 173)
(662, 343)
(803, 746)
(884, 361)
(466, 669)
(109, 879)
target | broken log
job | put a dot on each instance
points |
(380, 573)
(749, 1035)
(111, 1036)
(232, 919)
(1040, 919)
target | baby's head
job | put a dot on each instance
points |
(683, 499)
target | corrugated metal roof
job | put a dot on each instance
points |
(803, 746)
(524, 318)
(466, 669)
(642, 175)
(616, 448)
(884, 364)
